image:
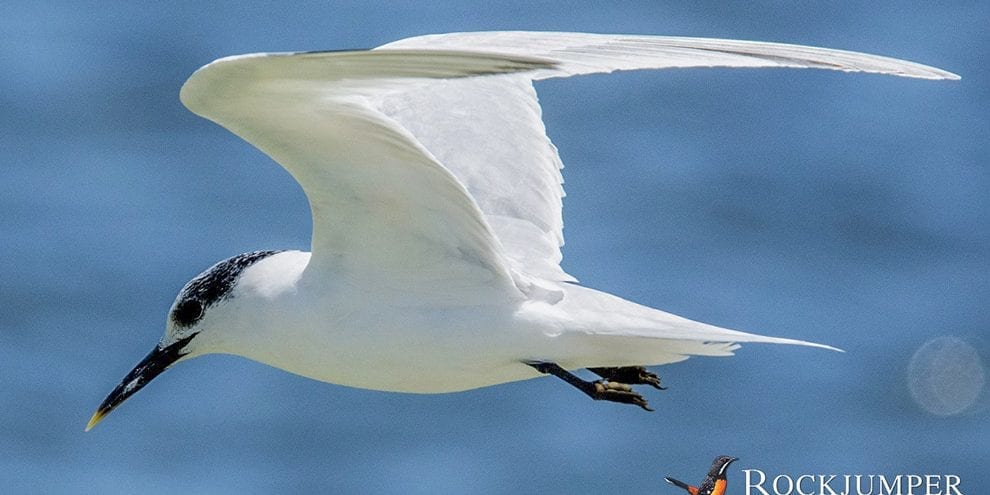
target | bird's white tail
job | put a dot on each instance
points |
(617, 332)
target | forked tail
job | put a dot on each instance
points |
(693, 490)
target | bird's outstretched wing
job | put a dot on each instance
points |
(425, 161)
(385, 211)
(489, 133)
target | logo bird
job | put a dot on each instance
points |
(714, 483)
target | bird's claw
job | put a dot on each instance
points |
(619, 392)
(611, 388)
(647, 377)
(634, 375)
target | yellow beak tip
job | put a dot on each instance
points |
(97, 417)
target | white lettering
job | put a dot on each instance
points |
(859, 487)
(759, 484)
(846, 487)
(913, 481)
(834, 484)
(952, 485)
(824, 484)
(888, 488)
(798, 484)
(790, 484)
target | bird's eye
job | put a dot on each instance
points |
(187, 312)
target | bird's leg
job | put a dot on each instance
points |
(597, 390)
(633, 375)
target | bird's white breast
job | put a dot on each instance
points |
(334, 331)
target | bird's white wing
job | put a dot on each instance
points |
(489, 133)
(385, 212)
(586, 53)
(420, 174)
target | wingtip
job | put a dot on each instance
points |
(936, 74)
(931, 72)
(823, 346)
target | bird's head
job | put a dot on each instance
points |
(193, 327)
(720, 465)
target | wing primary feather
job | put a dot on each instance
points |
(451, 63)
(587, 53)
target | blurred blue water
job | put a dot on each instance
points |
(847, 209)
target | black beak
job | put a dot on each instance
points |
(157, 361)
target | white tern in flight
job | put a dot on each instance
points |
(436, 198)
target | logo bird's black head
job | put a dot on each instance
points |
(720, 465)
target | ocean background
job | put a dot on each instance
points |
(848, 209)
